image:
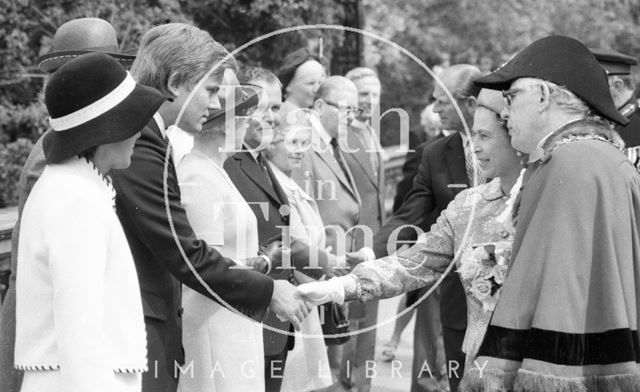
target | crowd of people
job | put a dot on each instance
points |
(189, 224)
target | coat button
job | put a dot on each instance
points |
(180, 312)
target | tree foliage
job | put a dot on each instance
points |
(488, 31)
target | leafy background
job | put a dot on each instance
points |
(485, 33)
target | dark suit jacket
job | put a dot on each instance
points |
(140, 204)
(630, 133)
(410, 167)
(253, 185)
(442, 164)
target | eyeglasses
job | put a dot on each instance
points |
(349, 109)
(510, 94)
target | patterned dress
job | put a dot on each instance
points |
(476, 216)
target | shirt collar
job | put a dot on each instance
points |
(492, 190)
(160, 123)
(321, 131)
(181, 143)
(539, 151)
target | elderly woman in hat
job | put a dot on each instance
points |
(214, 335)
(307, 364)
(473, 234)
(301, 75)
(79, 315)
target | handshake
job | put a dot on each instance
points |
(294, 304)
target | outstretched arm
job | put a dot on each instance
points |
(410, 269)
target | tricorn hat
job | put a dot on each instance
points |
(565, 62)
(93, 101)
(80, 36)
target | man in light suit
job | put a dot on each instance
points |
(173, 58)
(324, 173)
(365, 160)
(443, 172)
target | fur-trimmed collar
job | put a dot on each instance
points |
(587, 128)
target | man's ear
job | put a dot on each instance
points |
(317, 105)
(471, 103)
(545, 98)
(172, 85)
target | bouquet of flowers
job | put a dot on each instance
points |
(486, 267)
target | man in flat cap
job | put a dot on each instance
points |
(622, 86)
(567, 316)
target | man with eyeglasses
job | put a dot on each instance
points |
(365, 160)
(567, 316)
(622, 86)
(445, 169)
(324, 173)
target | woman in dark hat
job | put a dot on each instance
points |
(301, 75)
(79, 315)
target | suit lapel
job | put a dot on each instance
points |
(325, 154)
(454, 155)
(361, 156)
(250, 167)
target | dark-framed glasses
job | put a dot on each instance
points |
(349, 109)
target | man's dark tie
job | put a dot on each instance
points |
(338, 155)
(263, 165)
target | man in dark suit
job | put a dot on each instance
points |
(257, 184)
(441, 175)
(173, 58)
(365, 160)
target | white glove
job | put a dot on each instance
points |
(319, 293)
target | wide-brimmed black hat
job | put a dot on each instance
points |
(80, 36)
(247, 97)
(93, 101)
(565, 62)
(291, 63)
(614, 63)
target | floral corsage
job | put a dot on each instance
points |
(486, 268)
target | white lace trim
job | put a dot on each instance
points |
(42, 368)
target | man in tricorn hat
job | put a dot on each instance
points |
(622, 86)
(568, 312)
(72, 39)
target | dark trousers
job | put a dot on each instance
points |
(274, 370)
(453, 339)
(162, 375)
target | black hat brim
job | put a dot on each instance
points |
(241, 108)
(120, 123)
(50, 62)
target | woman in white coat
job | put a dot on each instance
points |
(79, 321)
